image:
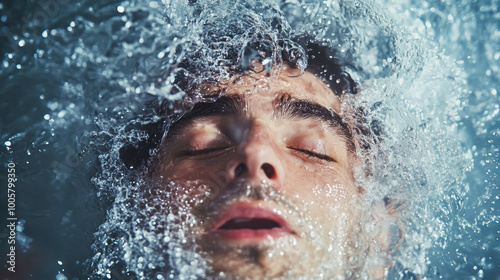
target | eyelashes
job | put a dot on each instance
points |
(207, 151)
(314, 154)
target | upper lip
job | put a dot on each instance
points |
(255, 217)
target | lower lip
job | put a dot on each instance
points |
(249, 234)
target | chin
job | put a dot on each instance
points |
(256, 260)
(286, 257)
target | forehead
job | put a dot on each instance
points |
(264, 85)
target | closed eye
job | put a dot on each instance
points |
(313, 154)
(203, 151)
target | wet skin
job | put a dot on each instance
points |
(277, 161)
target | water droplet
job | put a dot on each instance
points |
(120, 9)
(61, 276)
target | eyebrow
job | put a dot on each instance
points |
(285, 106)
(232, 105)
(288, 107)
(228, 105)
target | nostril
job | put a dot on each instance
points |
(239, 169)
(269, 170)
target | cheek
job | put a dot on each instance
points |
(189, 172)
(212, 174)
(316, 182)
(191, 169)
(187, 197)
(335, 208)
(324, 192)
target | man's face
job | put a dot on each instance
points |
(263, 178)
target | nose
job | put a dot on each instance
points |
(259, 158)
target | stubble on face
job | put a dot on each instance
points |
(321, 247)
(328, 240)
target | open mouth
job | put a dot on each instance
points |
(246, 221)
(249, 223)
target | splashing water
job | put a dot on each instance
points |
(92, 77)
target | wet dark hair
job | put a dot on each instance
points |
(317, 57)
(320, 58)
(322, 61)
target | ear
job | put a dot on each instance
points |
(387, 222)
(385, 235)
